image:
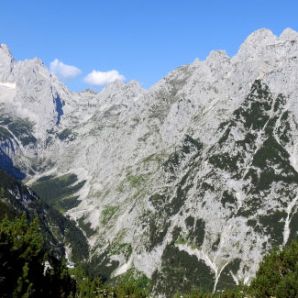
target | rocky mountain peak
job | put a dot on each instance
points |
(256, 44)
(6, 62)
(219, 55)
(4, 50)
(289, 35)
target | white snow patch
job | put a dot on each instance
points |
(8, 85)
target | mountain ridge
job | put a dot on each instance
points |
(202, 166)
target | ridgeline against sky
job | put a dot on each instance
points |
(92, 43)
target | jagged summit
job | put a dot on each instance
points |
(200, 171)
(6, 62)
(217, 55)
(260, 36)
(289, 35)
(5, 50)
(118, 85)
(255, 42)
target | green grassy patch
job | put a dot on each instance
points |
(132, 284)
(107, 214)
(136, 181)
(121, 248)
(59, 192)
(182, 239)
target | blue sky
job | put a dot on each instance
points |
(141, 40)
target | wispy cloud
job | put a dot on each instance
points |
(102, 78)
(64, 71)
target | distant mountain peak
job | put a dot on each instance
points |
(289, 34)
(6, 62)
(5, 50)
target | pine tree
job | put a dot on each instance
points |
(22, 263)
(278, 274)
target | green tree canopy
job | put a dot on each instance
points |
(278, 274)
(26, 269)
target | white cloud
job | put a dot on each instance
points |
(102, 78)
(64, 71)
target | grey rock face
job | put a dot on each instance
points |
(198, 172)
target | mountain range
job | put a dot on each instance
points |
(190, 182)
